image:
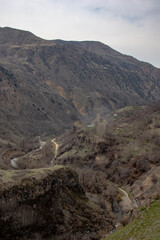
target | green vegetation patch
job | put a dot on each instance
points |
(145, 227)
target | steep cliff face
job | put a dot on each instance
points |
(46, 204)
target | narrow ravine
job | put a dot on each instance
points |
(126, 204)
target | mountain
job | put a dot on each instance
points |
(45, 86)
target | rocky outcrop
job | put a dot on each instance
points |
(46, 204)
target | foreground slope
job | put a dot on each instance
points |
(45, 86)
(47, 204)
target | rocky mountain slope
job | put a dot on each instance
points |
(45, 86)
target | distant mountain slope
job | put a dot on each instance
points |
(45, 86)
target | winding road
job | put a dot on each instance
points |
(56, 145)
(14, 161)
(41, 143)
(126, 195)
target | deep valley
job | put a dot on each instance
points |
(79, 141)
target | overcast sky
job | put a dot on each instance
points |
(130, 26)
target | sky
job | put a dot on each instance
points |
(131, 27)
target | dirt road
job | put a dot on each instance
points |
(56, 145)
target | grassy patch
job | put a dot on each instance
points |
(145, 227)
